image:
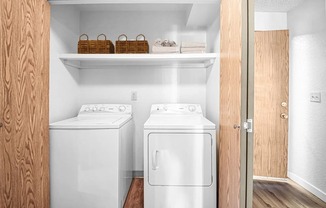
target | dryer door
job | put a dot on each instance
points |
(180, 159)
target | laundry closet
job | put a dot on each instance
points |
(44, 81)
(137, 79)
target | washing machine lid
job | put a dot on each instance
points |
(179, 122)
(93, 122)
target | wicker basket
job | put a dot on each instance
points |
(132, 46)
(83, 45)
(95, 46)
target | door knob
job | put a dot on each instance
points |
(236, 126)
(284, 116)
(284, 104)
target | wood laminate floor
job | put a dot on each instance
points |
(135, 198)
(285, 194)
(267, 194)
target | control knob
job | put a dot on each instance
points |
(122, 108)
(192, 108)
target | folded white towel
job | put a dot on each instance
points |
(156, 49)
(186, 44)
(193, 50)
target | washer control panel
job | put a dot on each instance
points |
(181, 109)
(105, 108)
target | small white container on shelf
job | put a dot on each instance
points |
(165, 46)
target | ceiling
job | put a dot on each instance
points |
(276, 5)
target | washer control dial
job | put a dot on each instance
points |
(122, 108)
(192, 108)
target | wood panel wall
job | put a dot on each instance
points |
(24, 101)
(232, 158)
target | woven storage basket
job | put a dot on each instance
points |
(95, 46)
(83, 45)
(132, 46)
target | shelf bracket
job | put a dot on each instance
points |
(209, 63)
(67, 63)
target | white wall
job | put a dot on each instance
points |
(266, 21)
(308, 18)
(64, 89)
(307, 132)
(153, 84)
(153, 24)
(213, 75)
(213, 79)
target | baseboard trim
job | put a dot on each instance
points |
(314, 190)
(265, 178)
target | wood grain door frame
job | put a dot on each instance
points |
(233, 141)
(250, 101)
(24, 108)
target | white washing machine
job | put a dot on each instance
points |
(179, 158)
(91, 157)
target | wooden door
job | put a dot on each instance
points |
(271, 103)
(233, 99)
(24, 100)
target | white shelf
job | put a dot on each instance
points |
(90, 61)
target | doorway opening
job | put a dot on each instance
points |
(289, 166)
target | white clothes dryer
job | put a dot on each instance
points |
(179, 158)
(91, 157)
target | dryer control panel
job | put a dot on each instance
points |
(105, 109)
(175, 109)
